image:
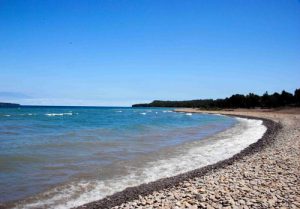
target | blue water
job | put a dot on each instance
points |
(41, 147)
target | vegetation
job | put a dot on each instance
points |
(235, 101)
(3, 104)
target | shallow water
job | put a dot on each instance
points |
(82, 150)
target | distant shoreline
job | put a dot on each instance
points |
(5, 104)
(133, 193)
(251, 100)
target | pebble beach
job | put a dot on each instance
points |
(264, 175)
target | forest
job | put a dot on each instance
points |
(5, 104)
(250, 100)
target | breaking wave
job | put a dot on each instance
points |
(58, 114)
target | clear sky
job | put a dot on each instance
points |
(118, 52)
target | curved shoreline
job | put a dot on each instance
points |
(132, 193)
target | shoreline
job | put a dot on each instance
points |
(133, 193)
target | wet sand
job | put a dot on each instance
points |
(266, 174)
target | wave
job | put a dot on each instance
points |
(143, 113)
(189, 157)
(29, 114)
(58, 114)
(165, 111)
(188, 114)
(16, 115)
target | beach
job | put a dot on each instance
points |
(150, 104)
(264, 175)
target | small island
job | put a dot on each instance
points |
(5, 104)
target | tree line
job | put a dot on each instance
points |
(5, 104)
(250, 100)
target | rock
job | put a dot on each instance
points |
(200, 197)
(201, 190)
(202, 205)
(242, 202)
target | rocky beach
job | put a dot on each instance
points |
(264, 175)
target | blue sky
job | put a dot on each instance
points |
(122, 52)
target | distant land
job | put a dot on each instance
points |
(250, 100)
(5, 104)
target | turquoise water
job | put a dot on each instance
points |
(45, 147)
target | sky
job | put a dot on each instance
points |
(117, 52)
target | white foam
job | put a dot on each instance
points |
(119, 111)
(68, 113)
(143, 113)
(165, 111)
(54, 114)
(58, 114)
(29, 114)
(189, 114)
(191, 156)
